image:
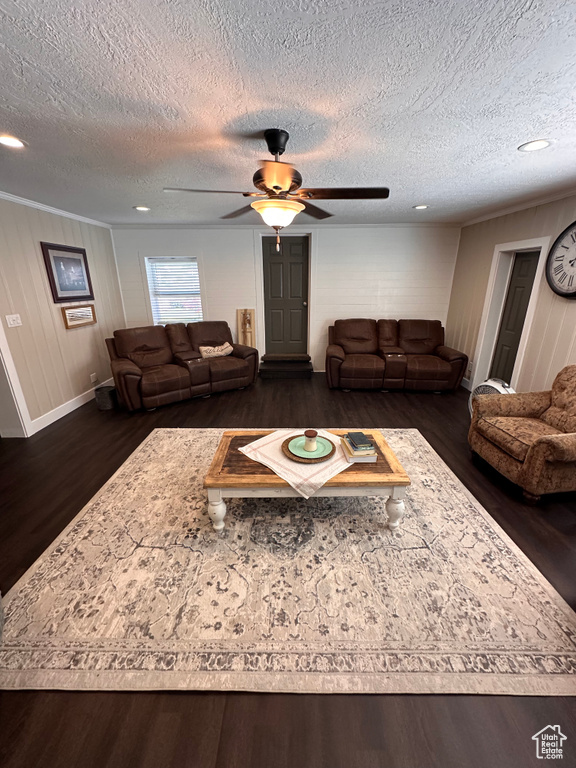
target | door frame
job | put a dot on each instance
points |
(259, 277)
(496, 292)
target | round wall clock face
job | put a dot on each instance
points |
(561, 264)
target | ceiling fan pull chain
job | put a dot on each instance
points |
(277, 238)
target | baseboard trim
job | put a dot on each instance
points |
(62, 410)
(467, 384)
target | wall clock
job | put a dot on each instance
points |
(561, 264)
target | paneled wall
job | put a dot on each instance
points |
(54, 364)
(393, 271)
(552, 340)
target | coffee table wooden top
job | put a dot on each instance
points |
(232, 469)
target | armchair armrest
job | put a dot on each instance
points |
(335, 350)
(556, 447)
(449, 354)
(243, 351)
(390, 351)
(528, 404)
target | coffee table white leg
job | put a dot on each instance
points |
(395, 506)
(216, 508)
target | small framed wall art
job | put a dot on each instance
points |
(68, 272)
(74, 317)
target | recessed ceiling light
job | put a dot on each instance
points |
(141, 208)
(419, 207)
(534, 146)
(11, 141)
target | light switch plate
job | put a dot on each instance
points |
(13, 321)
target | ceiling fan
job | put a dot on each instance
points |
(281, 195)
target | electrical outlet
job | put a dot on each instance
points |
(469, 370)
(93, 378)
(12, 321)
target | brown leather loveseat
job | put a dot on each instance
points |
(155, 365)
(392, 354)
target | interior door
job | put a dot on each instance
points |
(286, 295)
(514, 314)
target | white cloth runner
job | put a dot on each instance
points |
(306, 479)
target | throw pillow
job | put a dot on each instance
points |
(221, 351)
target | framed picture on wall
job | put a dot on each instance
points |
(68, 273)
(74, 317)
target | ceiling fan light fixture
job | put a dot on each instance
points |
(277, 213)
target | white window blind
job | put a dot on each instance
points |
(174, 286)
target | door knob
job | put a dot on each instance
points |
(304, 303)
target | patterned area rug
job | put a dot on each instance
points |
(140, 592)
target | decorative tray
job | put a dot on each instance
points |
(293, 448)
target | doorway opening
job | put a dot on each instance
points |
(514, 315)
(509, 308)
(286, 310)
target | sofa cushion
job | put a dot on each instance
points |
(362, 367)
(420, 337)
(427, 368)
(147, 346)
(224, 368)
(209, 333)
(357, 336)
(514, 434)
(164, 378)
(387, 333)
(562, 411)
(178, 338)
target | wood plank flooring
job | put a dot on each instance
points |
(45, 481)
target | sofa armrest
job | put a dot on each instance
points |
(556, 447)
(335, 350)
(127, 376)
(528, 404)
(243, 351)
(181, 358)
(449, 354)
(335, 356)
(122, 367)
(390, 351)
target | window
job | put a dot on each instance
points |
(174, 286)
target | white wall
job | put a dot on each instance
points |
(50, 366)
(389, 271)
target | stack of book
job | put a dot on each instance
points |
(357, 447)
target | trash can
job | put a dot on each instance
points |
(105, 398)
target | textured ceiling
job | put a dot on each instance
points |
(117, 99)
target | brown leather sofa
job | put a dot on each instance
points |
(155, 365)
(530, 437)
(392, 354)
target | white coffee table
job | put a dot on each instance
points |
(234, 475)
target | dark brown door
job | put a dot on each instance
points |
(286, 295)
(517, 298)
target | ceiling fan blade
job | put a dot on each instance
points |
(344, 193)
(214, 191)
(313, 210)
(239, 212)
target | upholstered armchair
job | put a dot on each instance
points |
(530, 437)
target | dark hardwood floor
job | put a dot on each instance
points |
(44, 482)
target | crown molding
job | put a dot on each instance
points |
(521, 207)
(49, 209)
(294, 229)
